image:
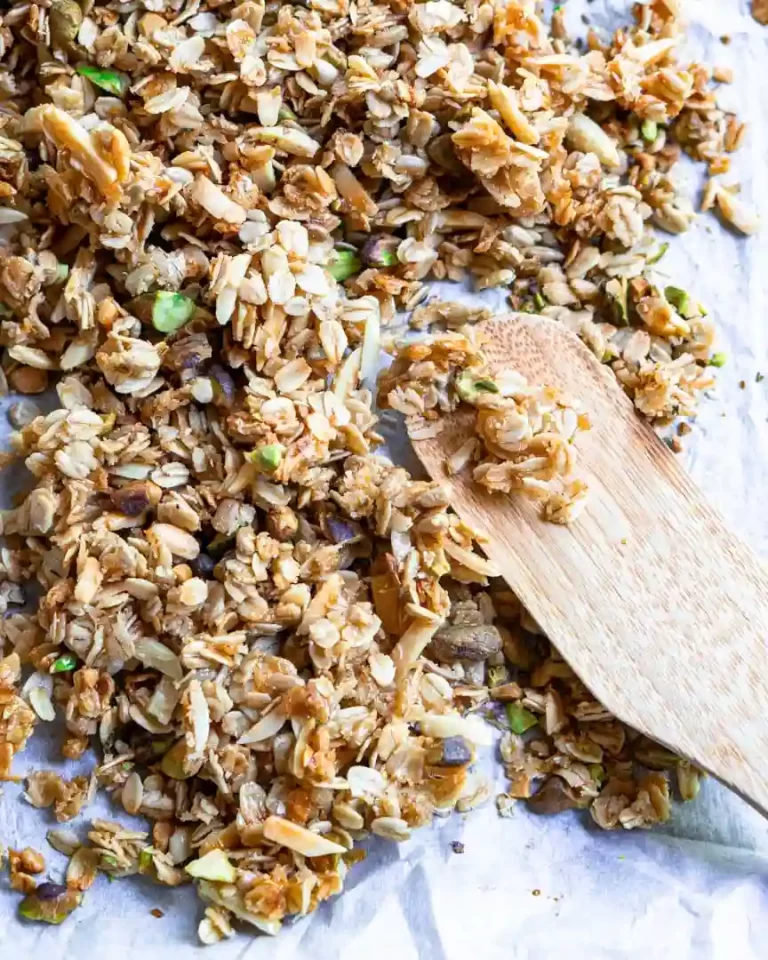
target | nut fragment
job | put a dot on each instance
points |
(214, 865)
(50, 903)
(464, 643)
(297, 838)
(554, 797)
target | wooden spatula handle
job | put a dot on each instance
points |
(657, 606)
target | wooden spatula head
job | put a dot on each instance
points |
(660, 610)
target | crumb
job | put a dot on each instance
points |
(743, 384)
(536, 892)
(760, 11)
(723, 74)
(725, 39)
(457, 846)
(684, 428)
(759, 377)
(157, 912)
(674, 444)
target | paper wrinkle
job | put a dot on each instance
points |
(694, 891)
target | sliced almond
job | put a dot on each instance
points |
(303, 841)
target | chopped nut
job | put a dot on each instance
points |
(214, 865)
(50, 903)
(464, 643)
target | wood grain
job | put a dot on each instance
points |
(657, 606)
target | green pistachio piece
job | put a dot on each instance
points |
(717, 360)
(381, 251)
(469, 386)
(170, 311)
(345, 264)
(617, 291)
(268, 457)
(497, 676)
(175, 762)
(649, 130)
(597, 772)
(519, 718)
(680, 301)
(50, 903)
(658, 255)
(109, 80)
(539, 301)
(64, 663)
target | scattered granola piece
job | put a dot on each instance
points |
(760, 11)
(50, 903)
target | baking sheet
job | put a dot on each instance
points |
(528, 888)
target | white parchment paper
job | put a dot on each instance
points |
(528, 888)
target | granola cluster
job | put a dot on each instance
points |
(522, 437)
(213, 216)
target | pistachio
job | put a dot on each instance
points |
(464, 643)
(381, 251)
(50, 903)
(470, 386)
(519, 718)
(177, 764)
(345, 264)
(268, 457)
(132, 499)
(617, 292)
(663, 247)
(681, 301)
(649, 131)
(65, 19)
(110, 80)
(597, 772)
(64, 663)
(555, 796)
(170, 311)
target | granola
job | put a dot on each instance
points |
(213, 218)
(523, 434)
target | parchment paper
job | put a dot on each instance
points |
(528, 888)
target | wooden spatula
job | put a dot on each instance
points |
(657, 606)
